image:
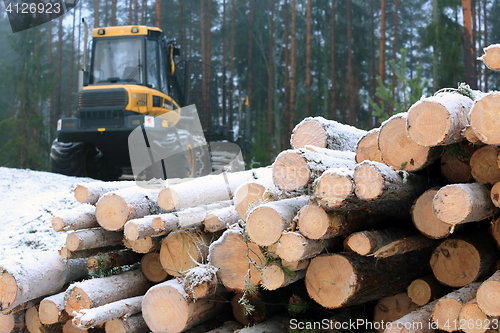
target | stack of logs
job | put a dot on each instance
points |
(403, 214)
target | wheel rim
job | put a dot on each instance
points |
(190, 158)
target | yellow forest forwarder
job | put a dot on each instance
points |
(132, 80)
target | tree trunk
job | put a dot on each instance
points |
(285, 129)
(461, 203)
(418, 321)
(265, 223)
(96, 292)
(324, 133)
(74, 219)
(230, 255)
(468, 45)
(221, 219)
(394, 57)
(40, 273)
(456, 262)
(439, 120)
(158, 13)
(350, 67)
(88, 318)
(292, 68)
(447, 308)
(231, 67)
(113, 12)
(72, 64)
(472, 313)
(486, 73)
(224, 55)
(333, 97)
(270, 85)
(367, 147)
(249, 69)
(51, 310)
(112, 259)
(52, 115)
(367, 242)
(381, 64)
(308, 60)
(92, 239)
(96, 14)
(132, 324)
(91, 192)
(59, 68)
(136, 12)
(399, 151)
(391, 308)
(484, 118)
(424, 218)
(152, 269)
(426, 289)
(338, 280)
(167, 308)
(484, 165)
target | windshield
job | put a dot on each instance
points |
(119, 59)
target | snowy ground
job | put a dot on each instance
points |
(28, 200)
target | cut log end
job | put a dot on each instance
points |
(290, 171)
(391, 308)
(272, 277)
(360, 244)
(368, 148)
(112, 212)
(420, 292)
(8, 290)
(425, 219)
(81, 193)
(309, 133)
(57, 223)
(484, 165)
(488, 298)
(369, 181)
(131, 231)
(333, 189)
(72, 242)
(495, 194)
(428, 123)
(313, 221)
(182, 250)
(445, 314)
(152, 269)
(452, 205)
(48, 312)
(260, 230)
(484, 119)
(168, 199)
(77, 300)
(246, 195)
(70, 328)
(471, 313)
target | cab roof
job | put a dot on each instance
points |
(125, 30)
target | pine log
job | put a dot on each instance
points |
(295, 170)
(168, 308)
(68, 327)
(367, 242)
(96, 292)
(266, 223)
(207, 189)
(439, 119)
(87, 318)
(293, 246)
(447, 308)
(315, 223)
(337, 280)
(455, 163)
(324, 133)
(152, 269)
(484, 118)
(141, 228)
(404, 245)
(182, 250)
(491, 57)
(399, 151)
(487, 296)
(367, 148)
(463, 259)
(295, 265)
(74, 219)
(200, 281)
(273, 276)
(470, 136)
(417, 321)
(220, 219)
(91, 192)
(250, 194)
(262, 308)
(391, 308)
(115, 208)
(112, 259)
(334, 189)
(424, 218)
(51, 309)
(461, 203)
(495, 231)
(342, 154)
(484, 165)
(33, 324)
(34, 275)
(92, 238)
(426, 289)
(230, 254)
(132, 324)
(143, 245)
(472, 319)
(67, 254)
(13, 322)
(495, 194)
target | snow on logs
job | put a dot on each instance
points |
(324, 133)
(491, 57)
(82, 217)
(51, 309)
(92, 239)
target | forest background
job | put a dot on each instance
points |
(354, 61)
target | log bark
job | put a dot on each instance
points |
(455, 163)
(275, 324)
(418, 321)
(266, 222)
(367, 242)
(461, 203)
(315, 223)
(152, 269)
(200, 281)
(141, 228)
(473, 320)
(323, 133)
(404, 245)
(495, 231)
(182, 250)
(399, 151)
(13, 322)
(36, 274)
(74, 219)
(67, 254)
(293, 246)
(167, 308)
(439, 119)
(33, 324)
(228, 327)
(334, 189)
(220, 219)
(230, 255)
(426, 289)
(487, 295)
(377, 181)
(461, 260)
(115, 208)
(484, 165)
(52, 311)
(92, 239)
(273, 276)
(338, 280)
(447, 308)
(96, 292)
(495, 194)
(87, 318)
(112, 259)
(295, 170)
(367, 148)
(261, 303)
(391, 308)
(143, 245)
(132, 324)
(68, 327)
(484, 118)
(208, 189)
(491, 57)
(249, 194)
(424, 218)
(91, 192)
